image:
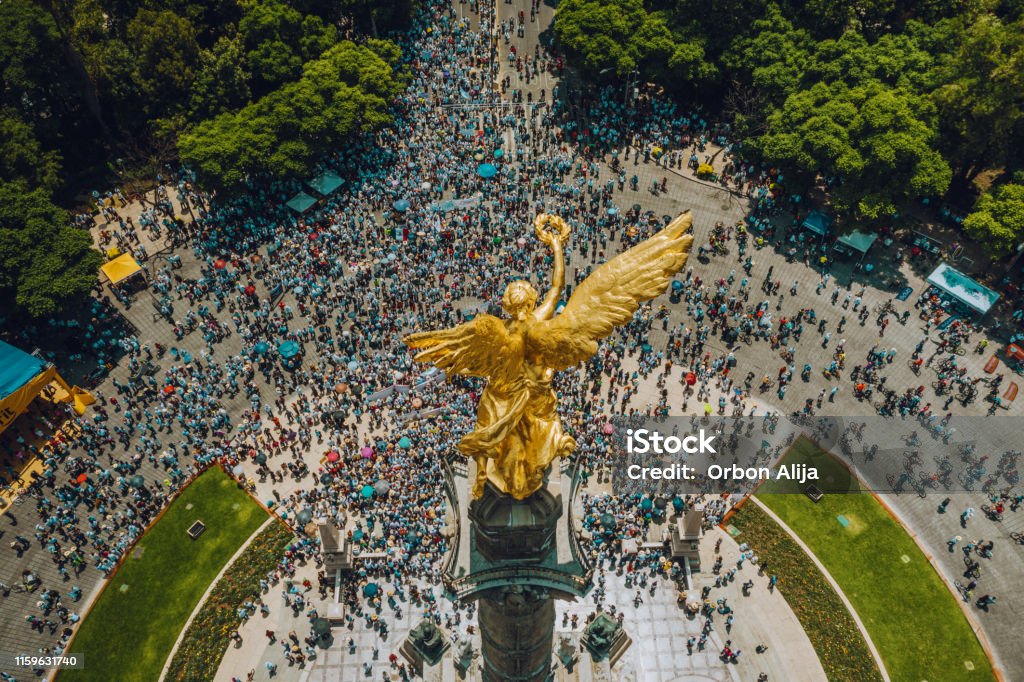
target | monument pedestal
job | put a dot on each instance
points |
(515, 557)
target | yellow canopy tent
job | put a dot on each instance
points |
(121, 268)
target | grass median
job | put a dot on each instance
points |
(131, 630)
(912, 617)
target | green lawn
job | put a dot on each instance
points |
(912, 617)
(833, 633)
(130, 631)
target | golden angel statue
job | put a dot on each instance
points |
(518, 431)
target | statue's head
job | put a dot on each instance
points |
(519, 299)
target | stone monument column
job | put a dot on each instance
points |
(516, 626)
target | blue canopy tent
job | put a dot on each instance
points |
(325, 183)
(301, 202)
(962, 288)
(817, 222)
(24, 376)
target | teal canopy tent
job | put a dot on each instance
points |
(817, 222)
(301, 202)
(858, 241)
(959, 286)
(17, 368)
(325, 183)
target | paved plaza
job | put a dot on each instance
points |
(658, 627)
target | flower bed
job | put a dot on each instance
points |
(836, 639)
(207, 638)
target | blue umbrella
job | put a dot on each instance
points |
(404, 442)
(677, 285)
(401, 205)
(498, 153)
(612, 210)
(371, 590)
(288, 349)
(261, 348)
(486, 170)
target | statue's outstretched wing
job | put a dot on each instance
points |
(609, 297)
(480, 348)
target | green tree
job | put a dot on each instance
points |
(166, 57)
(347, 91)
(222, 82)
(617, 37)
(878, 141)
(23, 158)
(33, 72)
(46, 265)
(278, 39)
(979, 96)
(997, 220)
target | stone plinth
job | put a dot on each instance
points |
(425, 647)
(605, 639)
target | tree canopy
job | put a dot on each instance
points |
(890, 100)
(346, 90)
(998, 219)
(93, 88)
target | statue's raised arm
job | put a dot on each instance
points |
(609, 297)
(555, 239)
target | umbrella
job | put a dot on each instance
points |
(487, 170)
(168, 389)
(82, 478)
(677, 285)
(326, 479)
(357, 535)
(137, 481)
(261, 348)
(521, 241)
(260, 458)
(333, 456)
(404, 442)
(299, 290)
(220, 264)
(371, 590)
(498, 153)
(677, 504)
(612, 210)
(250, 290)
(660, 503)
(321, 627)
(401, 205)
(288, 349)
(341, 388)
(646, 348)
(304, 517)
(367, 491)
(366, 452)
(691, 378)
(381, 487)
(608, 521)
(646, 504)
(608, 429)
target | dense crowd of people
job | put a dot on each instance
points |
(301, 317)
